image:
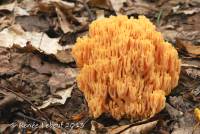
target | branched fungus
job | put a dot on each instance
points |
(127, 68)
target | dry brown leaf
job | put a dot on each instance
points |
(6, 21)
(49, 5)
(34, 23)
(100, 14)
(140, 7)
(186, 130)
(8, 7)
(97, 127)
(193, 73)
(139, 129)
(100, 3)
(64, 24)
(18, 11)
(173, 112)
(42, 67)
(64, 94)
(40, 41)
(62, 79)
(117, 5)
(194, 63)
(64, 56)
(191, 49)
(30, 6)
(3, 127)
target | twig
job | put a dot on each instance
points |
(20, 114)
(25, 99)
(91, 16)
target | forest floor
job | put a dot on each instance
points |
(38, 90)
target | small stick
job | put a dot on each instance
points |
(88, 10)
(20, 114)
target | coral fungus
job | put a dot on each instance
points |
(127, 68)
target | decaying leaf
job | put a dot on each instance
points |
(117, 5)
(34, 23)
(139, 129)
(40, 41)
(42, 67)
(8, 7)
(191, 49)
(100, 14)
(193, 73)
(98, 128)
(5, 21)
(18, 11)
(186, 130)
(174, 113)
(64, 94)
(139, 7)
(62, 79)
(3, 127)
(61, 84)
(99, 3)
(46, 5)
(64, 56)
(64, 24)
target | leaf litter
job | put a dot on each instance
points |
(36, 38)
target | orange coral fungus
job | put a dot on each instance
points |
(127, 68)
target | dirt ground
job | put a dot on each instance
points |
(39, 93)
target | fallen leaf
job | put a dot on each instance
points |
(99, 3)
(117, 5)
(64, 56)
(64, 24)
(36, 23)
(62, 79)
(78, 117)
(40, 41)
(100, 14)
(29, 6)
(18, 11)
(8, 7)
(193, 73)
(191, 49)
(3, 127)
(49, 5)
(169, 32)
(98, 127)
(174, 113)
(186, 130)
(65, 93)
(189, 65)
(140, 129)
(196, 91)
(6, 21)
(177, 10)
(42, 67)
(6, 68)
(139, 7)
(190, 62)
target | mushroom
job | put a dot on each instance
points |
(126, 67)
